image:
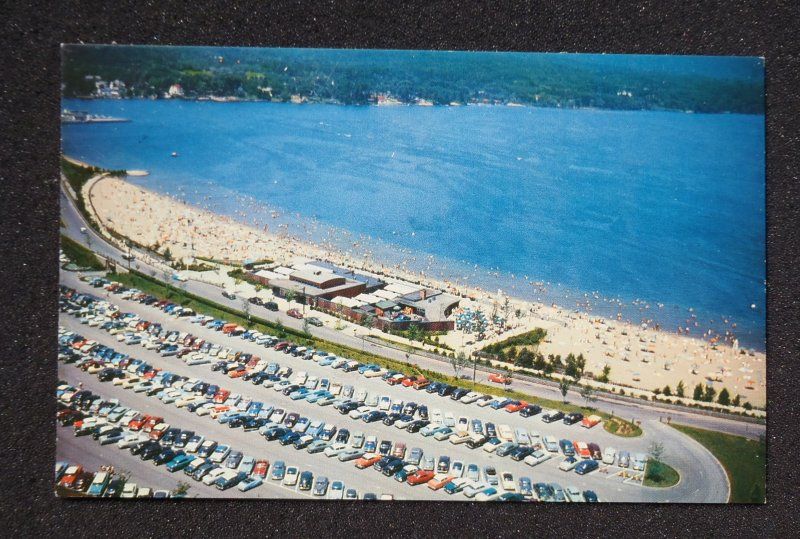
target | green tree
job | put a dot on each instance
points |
(724, 397)
(710, 393)
(459, 362)
(564, 386)
(588, 394)
(698, 392)
(655, 455)
(167, 254)
(667, 391)
(290, 295)
(737, 400)
(680, 389)
(605, 376)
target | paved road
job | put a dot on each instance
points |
(608, 403)
(704, 479)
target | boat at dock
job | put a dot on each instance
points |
(80, 117)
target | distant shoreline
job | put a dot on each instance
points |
(233, 99)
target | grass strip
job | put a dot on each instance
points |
(80, 255)
(744, 461)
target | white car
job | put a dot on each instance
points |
(205, 409)
(130, 490)
(403, 423)
(470, 397)
(574, 494)
(371, 400)
(492, 444)
(358, 412)
(336, 492)
(197, 359)
(471, 490)
(505, 433)
(609, 455)
(374, 374)
(194, 443)
(129, 440)
(459, 437)
(361, 396)
(457, 468)
(537, 457)
(522, 436)
(335, 449)
(213, 475)
(290, 478)
(449, 420)
(550, 443)
(507, 482)
(568, 464)
(384, 403)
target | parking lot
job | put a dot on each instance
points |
(608, 486)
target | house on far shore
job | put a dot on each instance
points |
(174, 91)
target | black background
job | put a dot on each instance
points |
(32, 32)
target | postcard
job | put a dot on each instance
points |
(411, 275)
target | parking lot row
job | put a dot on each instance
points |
(466, 455)
(318, 368)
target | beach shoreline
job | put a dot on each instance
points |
(652, 358)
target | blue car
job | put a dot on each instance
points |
(500, 404)
(278, 470)
(255, 408)
(567, 448)
(249, 483)
(586, 466)
(299, 394)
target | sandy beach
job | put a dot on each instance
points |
(640, 357)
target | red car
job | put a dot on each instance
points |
(138, 421)
(158, 431)
(498, 378)
(294, 313)
(421, 383)
(70, 476)
(281, 345)
(221, 396)
(511, 408)
(151, 422)
(420, 477)
(394, 380)
(582, 449)
(368, 460)
(261, 468)
(237, 372)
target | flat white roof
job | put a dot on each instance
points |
(267, 274)
(385, 294)
(347, 302)
(368, 298)
(401, 288)
(283, 270)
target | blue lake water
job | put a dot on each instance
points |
(631, 208)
